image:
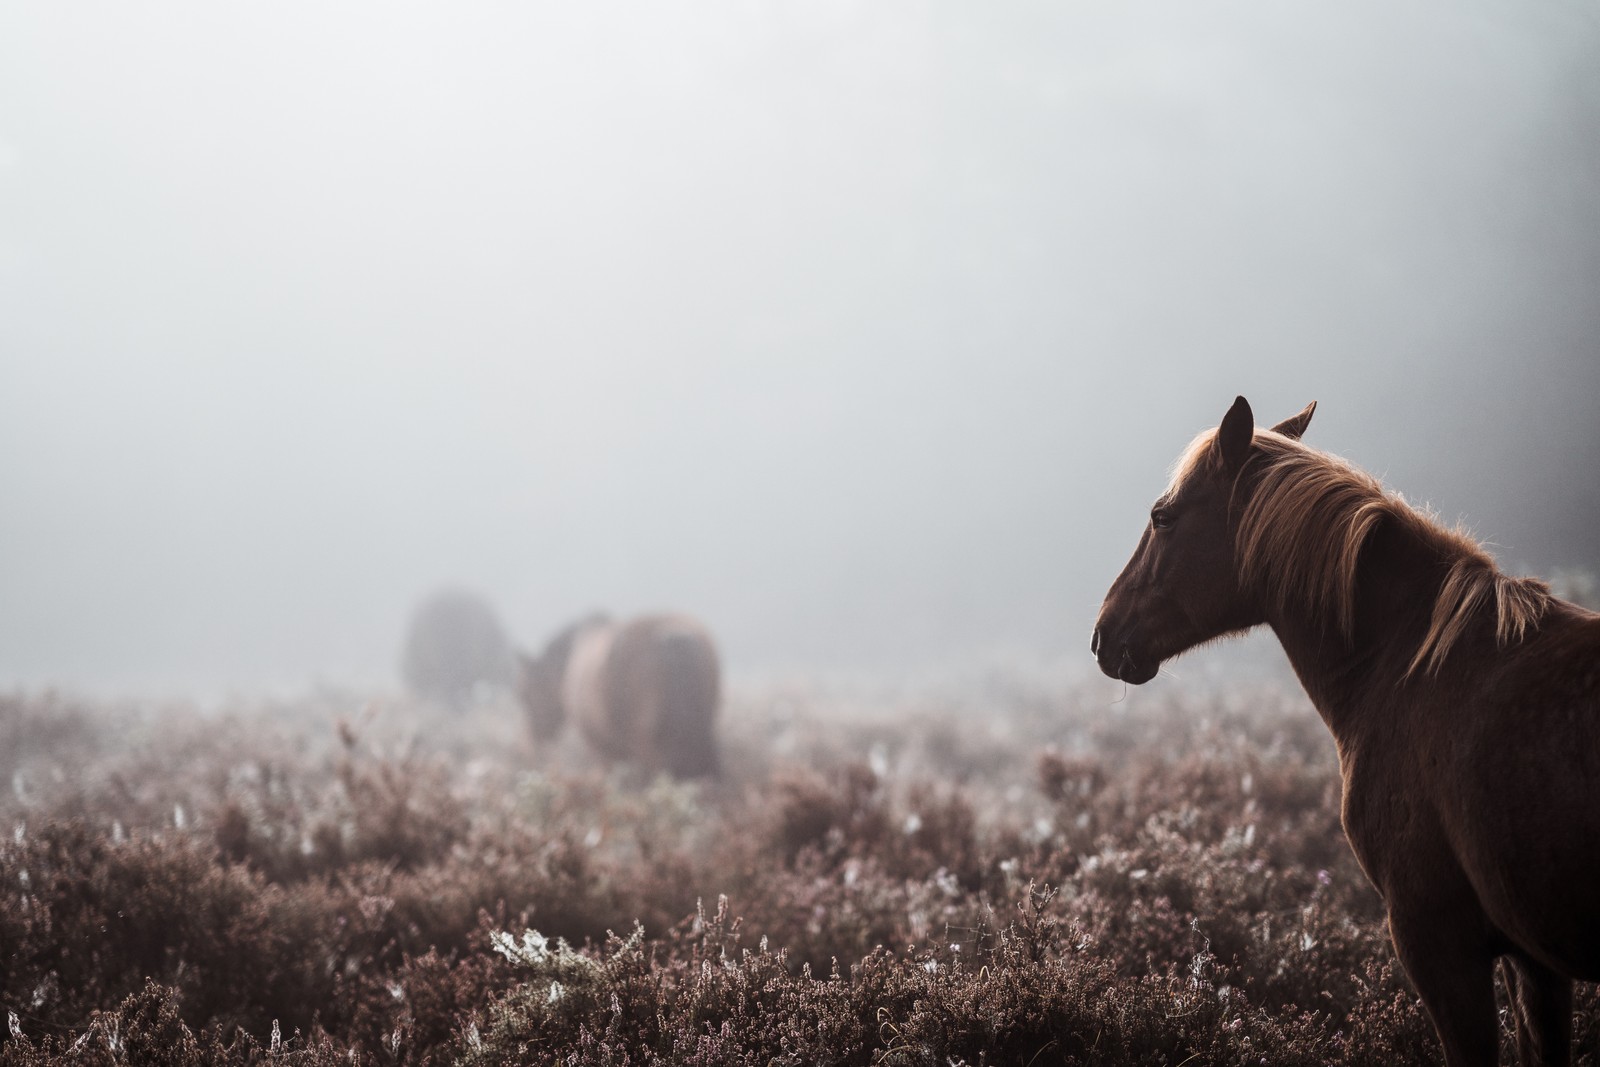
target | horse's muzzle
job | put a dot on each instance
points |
(1117, 661)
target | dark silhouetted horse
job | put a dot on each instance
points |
(1465, 704)
(644, 691)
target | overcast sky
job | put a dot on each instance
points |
(865, 330)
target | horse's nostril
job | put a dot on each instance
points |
(1094, 642)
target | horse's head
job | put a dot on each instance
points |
(1181, 588)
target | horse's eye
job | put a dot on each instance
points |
(1161, 518)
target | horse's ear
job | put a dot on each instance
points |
(1238, 429)
(1294, 427)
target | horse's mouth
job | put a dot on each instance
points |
(1124, 668)
(1134, 672)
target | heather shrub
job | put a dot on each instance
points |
(147, 1030)
(1007, 874)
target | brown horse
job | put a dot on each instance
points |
(1465, 704)
(644, 692)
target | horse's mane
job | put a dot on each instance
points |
(1301, 533)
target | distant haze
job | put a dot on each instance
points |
(864, 330)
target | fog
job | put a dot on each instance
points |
(866, 331)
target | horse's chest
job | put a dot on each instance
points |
(1383, 821)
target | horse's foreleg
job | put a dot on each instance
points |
(1454, 975)
(1541, 1005)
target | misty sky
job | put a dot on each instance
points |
(865, 330)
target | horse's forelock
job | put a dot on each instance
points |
(1201, 452)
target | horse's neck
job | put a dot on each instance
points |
(1351, 677)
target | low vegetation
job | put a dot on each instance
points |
(1015, 875)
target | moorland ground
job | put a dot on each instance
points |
(1007, 872)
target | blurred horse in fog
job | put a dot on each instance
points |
(643, 692)
(1465, 704)
(455, 650)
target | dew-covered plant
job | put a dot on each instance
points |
(1006, 875)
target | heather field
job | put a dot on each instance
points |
(1006, 872)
